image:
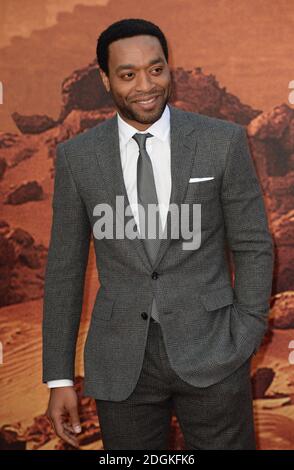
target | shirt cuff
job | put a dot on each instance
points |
(60, 383)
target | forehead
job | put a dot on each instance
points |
(137, 50)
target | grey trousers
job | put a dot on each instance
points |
(216, 417)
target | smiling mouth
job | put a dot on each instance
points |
(147, 103)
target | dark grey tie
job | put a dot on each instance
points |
(146, 191)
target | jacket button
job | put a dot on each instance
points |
(154, 275)
(144, 315)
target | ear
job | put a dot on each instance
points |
(104, 79)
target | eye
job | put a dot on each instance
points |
(131, 73)
(158, 68)
(126, 74)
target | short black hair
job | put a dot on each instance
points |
(126, 28)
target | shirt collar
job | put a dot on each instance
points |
(159, 128)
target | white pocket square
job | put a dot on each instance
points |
(194, 180)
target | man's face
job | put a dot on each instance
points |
(138, 71)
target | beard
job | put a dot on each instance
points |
(141, 116)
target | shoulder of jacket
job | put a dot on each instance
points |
(85, 142)
(214, 123)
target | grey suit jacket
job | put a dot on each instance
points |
(209, 326)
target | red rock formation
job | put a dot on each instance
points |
(261, 381)
(34, 124)
(282, 311)
(84, 90)
(274, 130)
(195, 91)
(27, 191)
(22, 266)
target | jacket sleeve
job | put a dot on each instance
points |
(247, 233)
(65, 273)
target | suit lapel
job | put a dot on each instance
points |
(183, 147)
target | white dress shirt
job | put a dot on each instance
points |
(158, 147)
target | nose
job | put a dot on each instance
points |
(143, 82)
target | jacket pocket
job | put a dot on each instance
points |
(103, 307)
(217, 298)
(201, 190)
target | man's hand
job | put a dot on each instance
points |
(63, 413)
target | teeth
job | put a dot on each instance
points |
(148, 101)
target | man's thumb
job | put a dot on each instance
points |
(75, 420)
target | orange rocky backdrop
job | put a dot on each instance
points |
(26, 185)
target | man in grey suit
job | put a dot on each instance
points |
(168, 332)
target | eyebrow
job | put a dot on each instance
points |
(132, 66)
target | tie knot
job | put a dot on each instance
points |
(140, 138)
